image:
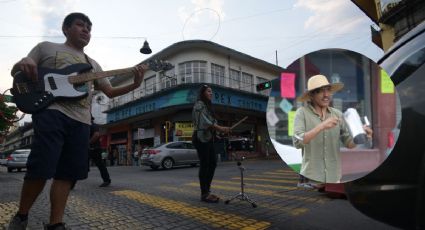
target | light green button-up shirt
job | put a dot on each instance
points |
(202, 120)
(321, 159)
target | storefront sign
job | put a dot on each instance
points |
(184, 129)
(387, 85)
(175, 97)
(287, 85)
(291, 119)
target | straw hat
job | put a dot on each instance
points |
(318, 81)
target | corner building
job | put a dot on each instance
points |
(160, 110)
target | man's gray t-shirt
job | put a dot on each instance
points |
(58, 56)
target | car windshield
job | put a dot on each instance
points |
(156, 146)
(21, 152)
(405, 61)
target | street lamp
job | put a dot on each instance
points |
(145, 49)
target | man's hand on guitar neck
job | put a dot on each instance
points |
(139, 72)
(28, 67)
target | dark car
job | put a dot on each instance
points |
(17, 160)
(394, 193)
(169, 155)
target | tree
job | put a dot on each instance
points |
(7, 114)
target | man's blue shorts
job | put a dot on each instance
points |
(59, 148)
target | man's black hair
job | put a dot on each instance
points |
(70, 18)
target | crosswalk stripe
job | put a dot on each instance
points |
(267, 176)
(284, 170)
(7, 210)
(293, 211)
(257, 185)
(205, 215)
(293, 174)
(263, 193)
(294, 181)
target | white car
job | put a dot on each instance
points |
(17, 160)
(169, 155)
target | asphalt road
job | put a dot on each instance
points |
(141, 198)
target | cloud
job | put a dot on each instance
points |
(50, 13)
(332, 16)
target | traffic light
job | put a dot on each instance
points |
(264, 85)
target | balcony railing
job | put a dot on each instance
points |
(143, 91)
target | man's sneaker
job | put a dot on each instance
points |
(58, 226)
(105, 184)
(305, 185)
(17, 224)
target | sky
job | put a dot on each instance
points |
(271, 30)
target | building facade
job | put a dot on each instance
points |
(160, 109)
(393, 18)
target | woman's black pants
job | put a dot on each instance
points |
(208, 163)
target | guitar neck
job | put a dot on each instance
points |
(90, 76)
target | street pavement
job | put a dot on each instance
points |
(141, 198)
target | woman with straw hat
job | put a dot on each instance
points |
(319, 129)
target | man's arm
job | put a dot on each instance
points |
(326, 124)
(369, 133)
(110, 91)
(28, 66)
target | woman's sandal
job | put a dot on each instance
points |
(214, 197)
(210, 198)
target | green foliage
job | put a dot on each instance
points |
(7, 114)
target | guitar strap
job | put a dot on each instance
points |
(88, 61)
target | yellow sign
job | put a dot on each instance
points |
(291, 118)
(387, 85)
(184, 129)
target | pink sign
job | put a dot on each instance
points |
(287, 85)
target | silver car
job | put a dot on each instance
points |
(17, 160)
(169, 155)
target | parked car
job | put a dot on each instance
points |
(169, 155)
(2, 159)
(241, 143)
(394, 192)
(17, 160)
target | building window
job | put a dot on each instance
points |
(388, 5)
(193, 71)
(167, 81)
(150, 85)
(235, 79)
(217, 74)
(246, 82)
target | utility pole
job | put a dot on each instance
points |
(277, 63)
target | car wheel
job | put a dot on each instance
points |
(167, 163)
(9, 169)
(154, 167)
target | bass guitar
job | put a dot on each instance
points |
(63, 84)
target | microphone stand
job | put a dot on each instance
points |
(242, 195)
